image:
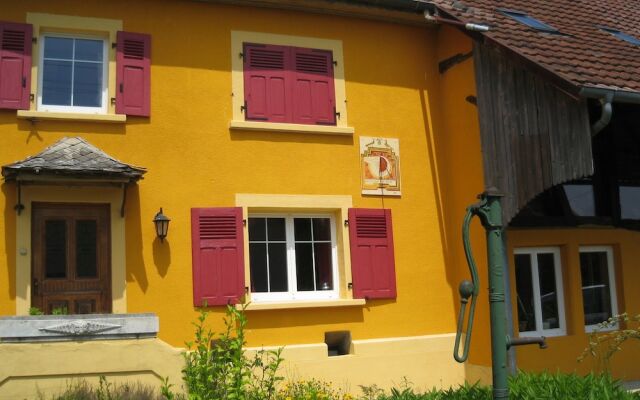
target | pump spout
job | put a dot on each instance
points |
(523, 341)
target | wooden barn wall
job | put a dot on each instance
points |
(533, 135)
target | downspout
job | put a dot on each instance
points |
(605, 116)
(607, 97)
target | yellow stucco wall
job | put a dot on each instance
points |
(564, 350)
(195, 160)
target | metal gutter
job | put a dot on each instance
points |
(404, 12)
(617, 96)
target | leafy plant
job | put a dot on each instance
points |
(82, 390)
(59, 311)
(216, 367)
(35, 311)
(310, 390)
(604, 345)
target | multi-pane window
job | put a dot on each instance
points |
(292, 257)
(73, 74)
(598, 285)
(540, 301)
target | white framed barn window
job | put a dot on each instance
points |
(599, 298)
(293, 257)
(73, 74)
(539, 290)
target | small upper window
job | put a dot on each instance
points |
(74, 74)
(622, 35)
(528, 20)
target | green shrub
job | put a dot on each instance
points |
(604, 345)
(310, 390)
(216, 367)
(35, 311)
(82, 390)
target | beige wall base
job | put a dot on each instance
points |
(27, 368)
(425, 361)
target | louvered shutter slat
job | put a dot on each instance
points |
(372, 255)
(15, 65)
(133, 74)
(267, 88)
(314, 92)
(218, 258)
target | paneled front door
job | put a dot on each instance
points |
(71, 258)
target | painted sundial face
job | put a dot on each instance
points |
(378, 166)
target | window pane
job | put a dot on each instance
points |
(324, 269)
(304, 267)
(56, 83)
(581, 200)
(596, 292)
(321, 229)
(55, 47)
(276, 229)
(548, 292)
(55, 249)
(524, 290)
(257, 229)
(302, 229)
(630, 202)
(89, 50)
(87, 84)
(278, 267)
(86, 248)
(258, 266)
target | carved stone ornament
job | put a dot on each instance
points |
(81, 327)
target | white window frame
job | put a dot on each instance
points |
(105, 76)
(533, 252)
(293, 294)
(612, 285)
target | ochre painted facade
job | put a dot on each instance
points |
(197, 157)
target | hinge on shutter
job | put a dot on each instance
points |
(241, 54)
(34, 40)
(335, 63)
(336, 113)
(246, 289)
(32, 97)
(346, 222)
(243, 108)
(114, 45)
(350, 285)
(121, 87)
(244, 222)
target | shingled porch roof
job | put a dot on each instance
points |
(73, 157)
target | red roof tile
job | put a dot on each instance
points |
(582, 54)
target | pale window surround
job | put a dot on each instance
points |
(237, 82)
(294, 292)
(533, 253)
(70, 194)
(335, 205)
(105, 29)
(608, 250)
(73, 59)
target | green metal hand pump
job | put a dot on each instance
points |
(489, 211)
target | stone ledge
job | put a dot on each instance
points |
(42, 328)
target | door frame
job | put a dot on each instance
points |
(80, 192)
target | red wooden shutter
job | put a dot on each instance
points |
(133, 73)
(314, 98)
(218, 257)
(372, 260)
(15, 65)
(267, 88)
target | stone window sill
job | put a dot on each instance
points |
(283, 305)
(284, 127)
(45, 115)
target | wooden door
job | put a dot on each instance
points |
(71, 263)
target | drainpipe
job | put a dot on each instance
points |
(432, 16)
(606, 98)
(605, 117)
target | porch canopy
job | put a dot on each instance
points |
(72, 161)
(72, 158)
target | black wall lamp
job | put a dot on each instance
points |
(162, 225)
